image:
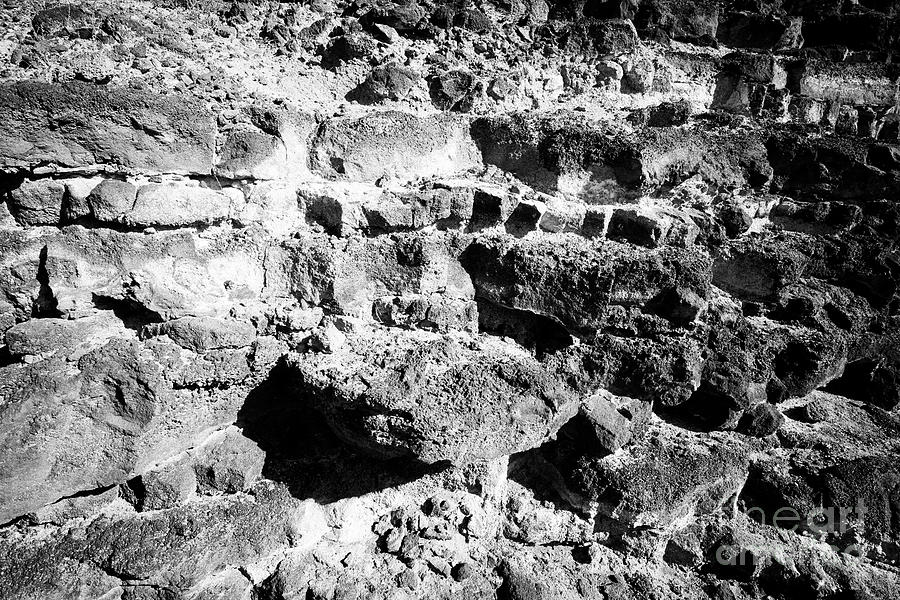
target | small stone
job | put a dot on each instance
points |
(385, 33)
(382, 526)
(735, 218)
(806, 110)
(409, 578)
(760, 420)
(453, 91)
(441, 566)
(562, 216)
(847, 121)
(462, 571)
(299, 319)
(815, 411)
(410, 547)
(595, 552)
(638, 77)
(393, 540)
(439, 531)
(438, 507)
(668, 114)
(166, 487)
(229, 462)
(327, 339)
(609, 76)
(38, 202)
(144, 65)
(501, 88)
(616, 422)
(348, 47)
(478, 525)
(111, 199)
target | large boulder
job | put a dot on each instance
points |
(177, 205)
(77, 124)
(682, 20)
(566, 153)
(657, 484)
(390, 81)
(38, 202)
(112, 412)
(576, 280)
(847, 492)
(395, 144)
(351, 278)
(433, 397)
(596, 38)
(174, 550)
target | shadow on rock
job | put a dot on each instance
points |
(304, 454)
(541, 469)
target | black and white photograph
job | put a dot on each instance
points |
(449, 300)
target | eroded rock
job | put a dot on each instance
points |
(97, 124)
(426, 395)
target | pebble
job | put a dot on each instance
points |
(462, 571)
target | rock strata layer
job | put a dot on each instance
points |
(394, 300)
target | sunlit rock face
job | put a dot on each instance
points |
(413, 300)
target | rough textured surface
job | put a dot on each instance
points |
(411, 299)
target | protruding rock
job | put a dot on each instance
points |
(616, 421)
(38, 202)
(454, 90)
(393, 143)
(391, 81)
(111, 200)
(103, 125)
(429, 396)
(573, 279)
(62, 19)
(760, 420)
(683, 20)
(202, 334)
(174, 205)
(427, 312)
(252, 154)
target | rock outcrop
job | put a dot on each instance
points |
(419, 299)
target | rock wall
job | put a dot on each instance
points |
(525, 300)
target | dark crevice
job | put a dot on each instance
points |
(541, 334)
(88, 493)
(875, 381)
(540, 469)
(90, 223)
(133, 314)
(211, 386)
(703, 412)
(6, 358)
(134, 492)
(304, 454)
(45, 305)
(10, 181)
(504, 591)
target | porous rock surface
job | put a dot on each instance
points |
(527, 300)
